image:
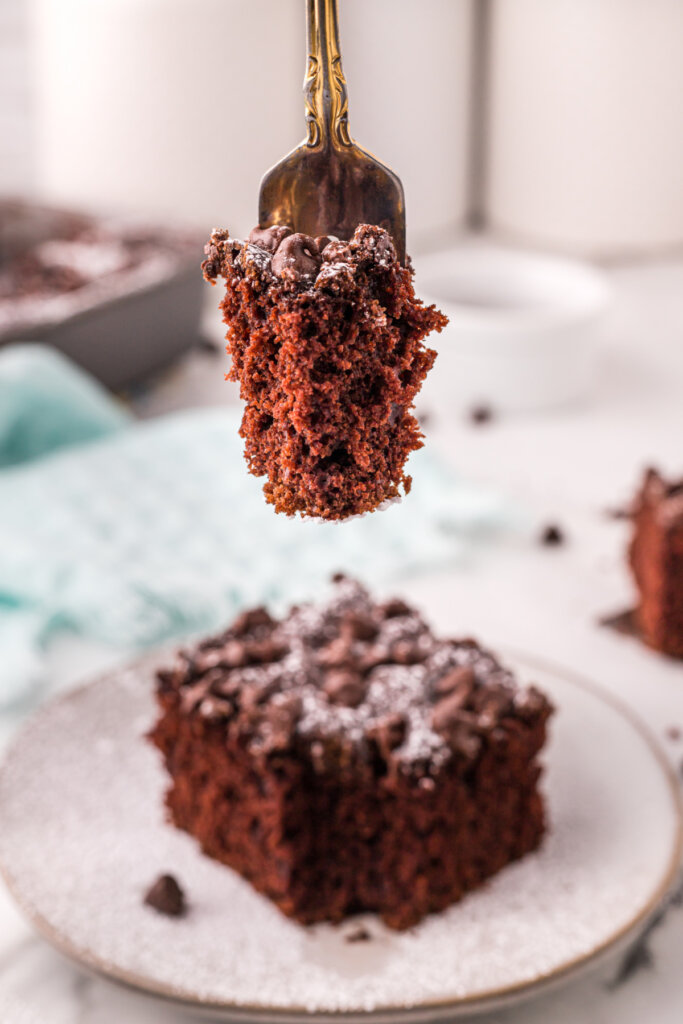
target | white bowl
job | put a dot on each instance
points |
(523, 331)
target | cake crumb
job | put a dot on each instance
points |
(621, 622)
(166, 897)
(552, 536)
(359, 934)
(481, 414)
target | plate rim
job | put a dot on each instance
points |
(437, 1008)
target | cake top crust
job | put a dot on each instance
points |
(297, 261)
(352, 682)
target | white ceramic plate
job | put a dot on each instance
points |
(83, 835)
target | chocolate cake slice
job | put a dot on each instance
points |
(326, 339)
(656, 558)
(345, 759)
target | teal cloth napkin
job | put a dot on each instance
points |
(157, 531)
(47, 402)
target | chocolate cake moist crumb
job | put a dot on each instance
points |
(344, 758)
(481, 414)
(327, 343)
(552, 535)
(166, 896)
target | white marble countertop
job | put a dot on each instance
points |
(566, 467)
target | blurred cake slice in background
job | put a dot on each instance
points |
(656, 557)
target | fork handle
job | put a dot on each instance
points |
(327, 107)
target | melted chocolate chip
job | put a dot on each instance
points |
(234, 654)
(394, 608)
(344, 687)
(448, 719)
(359, 627)
(389, 733)
(379, 654)
(322, 241)
(166, 897)
(278, 722)
(297, 256)
(269, 238)
(192, 696)
(251, 619)
(460, 680)
(406, 652)
(265, 651)
(337, 653)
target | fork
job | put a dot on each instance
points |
(328, 184)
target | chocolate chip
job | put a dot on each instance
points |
(449, 720)
(166, 897)
(278, 722)
(528, 703)
(480, 414)
(269, 238)
(552, 535)
(339, 577)
(229, 686)
(233, 654)
(251, 619)
(214, 709)
(461, 680)
(192, 696)
(337, 653)
(494, 707)
(389, 733)
(446, 713)
(406, 652)
(322, 241)
(297, 256)
(359, 627)
(265, 651)
(374, 656)
(394, 608)
(344, 687)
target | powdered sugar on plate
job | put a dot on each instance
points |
(83, 836)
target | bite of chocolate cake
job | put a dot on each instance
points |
(327, 343)
(343, 758)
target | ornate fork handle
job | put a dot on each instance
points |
(327, 106)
